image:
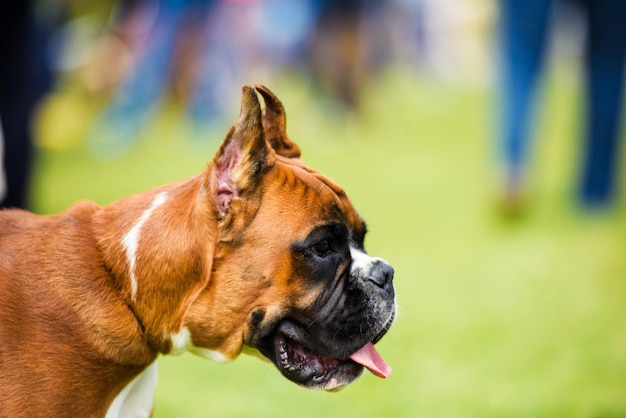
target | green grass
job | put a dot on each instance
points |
(498, 317)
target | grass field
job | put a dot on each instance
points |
(498, 317)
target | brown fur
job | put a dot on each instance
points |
(217, 249)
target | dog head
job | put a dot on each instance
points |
(290, 277)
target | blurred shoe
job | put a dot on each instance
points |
(513, 201)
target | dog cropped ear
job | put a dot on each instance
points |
(275, 125)
(243, 156)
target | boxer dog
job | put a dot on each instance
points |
(259, 252)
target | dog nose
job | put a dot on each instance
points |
(381, 274)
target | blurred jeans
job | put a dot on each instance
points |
(524, 34)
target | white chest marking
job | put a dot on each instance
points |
(130, 242)
(181, 342)
(137, 398)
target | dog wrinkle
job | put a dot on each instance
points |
(171, 254)
(257, 316)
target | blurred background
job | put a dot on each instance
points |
(480, 139)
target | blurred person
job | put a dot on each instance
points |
(25, 76)
(337, 52)
(229, 49)
(284, 32)
(523, 42)
(163, 45)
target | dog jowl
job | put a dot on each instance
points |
(258, 253)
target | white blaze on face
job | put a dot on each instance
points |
(361, 262)
(362, 265)
(130, 242)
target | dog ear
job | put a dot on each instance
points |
(243, 155)
(275, 125)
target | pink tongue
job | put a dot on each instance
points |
(369, 357)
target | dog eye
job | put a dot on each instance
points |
(321, 248)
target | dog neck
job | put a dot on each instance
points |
(157, 247)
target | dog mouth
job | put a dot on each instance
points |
(303, 365)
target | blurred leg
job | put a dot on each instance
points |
(24, 78)
(218, 65)
(139, 95)
(604, 67)
(523, 38)
(336, 51)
